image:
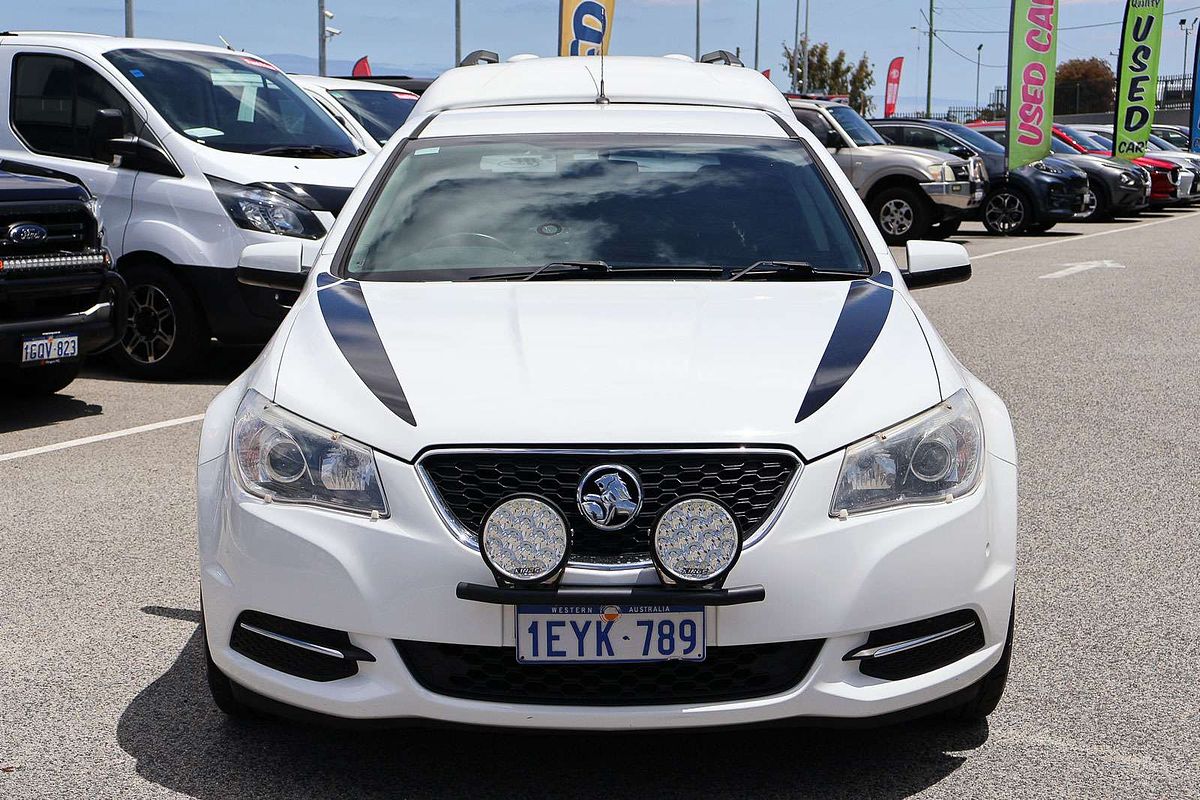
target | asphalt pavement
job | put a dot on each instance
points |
(1089, 333)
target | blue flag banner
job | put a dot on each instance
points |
(1195, 115)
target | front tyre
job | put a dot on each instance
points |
(991, 686)
(1007, 212)
(902, 214)
(219, 685)
(1040, 227)
(165, 334)
(944, 229)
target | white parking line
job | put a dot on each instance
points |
(101, 437)
(1082, 266)
(1076, 239)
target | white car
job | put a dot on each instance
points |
(192, 152)
(370, 112)
(605, 406)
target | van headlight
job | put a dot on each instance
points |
(257, 209)
(281, 457)
(934, 457)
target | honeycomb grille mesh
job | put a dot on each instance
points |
(751, 483)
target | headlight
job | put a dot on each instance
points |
(279, 456)
(1126, 179)
(942, 172)
(525, 540)
(931, 458)
(258, 209)
(1042, 166)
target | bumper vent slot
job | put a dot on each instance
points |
(297, 648)
(915, 648)
(492, 673)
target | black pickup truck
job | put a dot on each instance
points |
(60, 299)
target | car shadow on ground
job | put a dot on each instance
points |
(182, 742)
(20, 413)
(219, 367)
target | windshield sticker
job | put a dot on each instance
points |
(137, 73)
(529, 162)
(227, 77)
(258, 62)
(426, 151)
(203, 133)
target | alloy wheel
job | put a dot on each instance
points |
(1005, 212)
(896, 217)
(150, 334)
(1090, 202)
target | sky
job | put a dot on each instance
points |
(417, 36)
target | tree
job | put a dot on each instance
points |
(818, 65)
(1084, 86)
(861, 82)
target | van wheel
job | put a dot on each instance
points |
(1007, 212)
(165, 334)
(901, 213)
(41, 381)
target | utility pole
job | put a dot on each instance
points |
(457, 32)
(757, 16)
(805, 45)
(697, 30)
(129, 18)
(929, 86)
(978, 63)
(1187, 32)
(321, 37)
(796, 51)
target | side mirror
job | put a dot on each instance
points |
(935, 263)
(961, 151)
(107, 124)
(833, 139)
(273, 265)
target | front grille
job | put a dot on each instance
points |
(962, 172)
(288, 658)
(493, 673)
(70, 228)
(751, 483)
(925, 658)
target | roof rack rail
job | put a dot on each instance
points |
(480, 57)
(721, 57)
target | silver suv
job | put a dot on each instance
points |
(912, 194)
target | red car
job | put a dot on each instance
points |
(1164, 175)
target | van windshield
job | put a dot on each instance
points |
(233, 102)
(467, 208)
(381, 113)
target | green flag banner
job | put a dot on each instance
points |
(1033, 51)
(1137, 77)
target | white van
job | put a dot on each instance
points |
(371, 112)
(194, 152)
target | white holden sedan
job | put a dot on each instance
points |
(605, 406)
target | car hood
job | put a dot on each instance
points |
(925, 157)
(605, 363)
(247, 168)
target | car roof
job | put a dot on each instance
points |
(590, 118)
(345, 84)
(96, 44)
(627, 79)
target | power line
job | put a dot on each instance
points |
(967, 58)
(1070, 27)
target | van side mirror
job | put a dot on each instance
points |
(935, 264)
(273, 265)
(107, 124)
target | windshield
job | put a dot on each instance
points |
(458, 208)
(977, 140)
(233, 102)
(381, 113)
(857, 128)
(1163, 144)
(1086, 139)
(1062, 148)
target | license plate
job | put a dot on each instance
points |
(49, 348)
(611, 634)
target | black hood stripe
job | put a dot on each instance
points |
(325, 279)
(857, 329)
(349, 320)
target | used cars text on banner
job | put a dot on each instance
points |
(1137, 77)
(584, 27)
(892, 92)
(1033, 51)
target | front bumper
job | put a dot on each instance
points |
(396, 579)
(960, 195)
(99, 323)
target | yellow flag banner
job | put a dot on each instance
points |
(584, 27)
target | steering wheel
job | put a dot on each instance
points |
(471, 239)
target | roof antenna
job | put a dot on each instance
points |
(602, 98)
(225, 42)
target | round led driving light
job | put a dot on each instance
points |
(281, 458)
(932, 460)
(696, 541)
(525, 540)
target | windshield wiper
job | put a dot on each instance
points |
(305, 151)
(586, 267)
(801, 269)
